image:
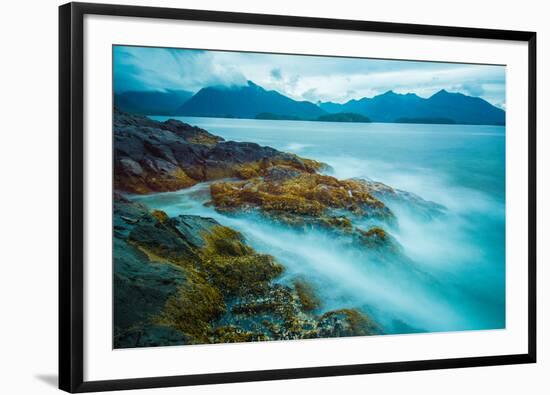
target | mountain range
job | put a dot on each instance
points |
(443, 105)
(253, 101)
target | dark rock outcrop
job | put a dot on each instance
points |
(153, 156)
(141, 287)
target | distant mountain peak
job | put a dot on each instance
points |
(392, 94)
(246, 101)
(444, 92)
(251, 84)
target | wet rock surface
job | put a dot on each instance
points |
(303, 200)
(153, 156)
(414, 203)
(188, 279)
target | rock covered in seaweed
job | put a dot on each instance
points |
(305, 200)
(188, 279)
(304, 194)
(346, 322)
(377, 239)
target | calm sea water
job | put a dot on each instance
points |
(455, 279)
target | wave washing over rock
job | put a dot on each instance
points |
(193, 279)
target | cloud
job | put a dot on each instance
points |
(139, 68)
(311, 95)
(276, 74)
(471, 88)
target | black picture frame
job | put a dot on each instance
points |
(71, 195)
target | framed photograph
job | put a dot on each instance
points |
(251, 197)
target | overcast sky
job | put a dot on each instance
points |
(313, 78)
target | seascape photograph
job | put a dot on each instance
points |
(262, 197)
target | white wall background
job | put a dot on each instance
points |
(28, 219)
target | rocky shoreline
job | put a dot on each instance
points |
(190, 280)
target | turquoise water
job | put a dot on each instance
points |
(454, 275)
